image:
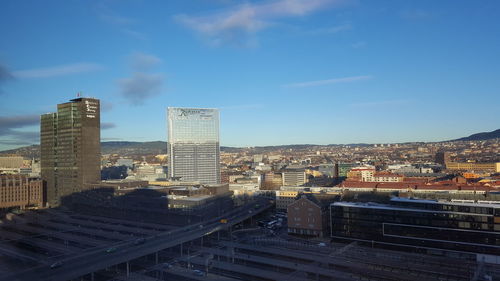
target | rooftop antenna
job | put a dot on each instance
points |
(79, 94)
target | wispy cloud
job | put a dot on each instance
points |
(107, 125)
(111, 139)
(109, 15)
(15, 122)
(329, 81)
(5, 75)
(134, 33)
(359, 44)
(106, 106)
(381, 103)
(240, 23)
(16, 142)
(140, 61)
(242, 107)
(415, 14)
(60, 70)
(10, 133)
(140, 87)
(332, 29)
(122, 23)
(113, 18)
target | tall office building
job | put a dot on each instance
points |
(193, 144)
(70, 148)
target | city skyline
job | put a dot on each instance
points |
(281, 72)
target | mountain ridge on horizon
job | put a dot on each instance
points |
(160, 147)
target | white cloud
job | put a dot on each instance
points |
(245, 20)
(57, 70)
(329, 81)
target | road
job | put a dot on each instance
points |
(97, 258)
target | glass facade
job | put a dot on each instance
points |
(70, 148)
(464, 227)
(193, 144)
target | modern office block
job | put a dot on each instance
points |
(422, 224)
(70, 148)
(193, 144)
(294, 177)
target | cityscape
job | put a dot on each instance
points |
(217, 174)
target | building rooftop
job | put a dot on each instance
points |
(190, 198)
(423, 201)
(371, 205)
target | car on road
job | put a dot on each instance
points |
(56, 264)
(139, 241)
(110, 250)
(198, 272)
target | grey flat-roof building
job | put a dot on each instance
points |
(193, 144)
(70, 148)
(421, 224)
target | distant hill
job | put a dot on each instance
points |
(122, 148)
(132, 147)
(129, 148)
(29, 152)
(481, 136)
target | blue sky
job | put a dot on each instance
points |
(281, 72)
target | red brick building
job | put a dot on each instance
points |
(308, 216)
(21, 191)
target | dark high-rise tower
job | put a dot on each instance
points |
(70, 148)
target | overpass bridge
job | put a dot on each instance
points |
(98, 258)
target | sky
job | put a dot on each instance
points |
(280, 71)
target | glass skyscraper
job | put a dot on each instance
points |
(193, 144)
(70, 148)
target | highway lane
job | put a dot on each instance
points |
(97, 258)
